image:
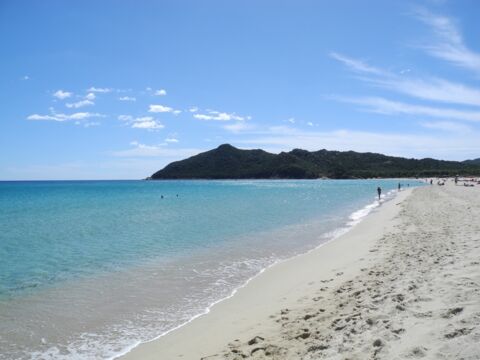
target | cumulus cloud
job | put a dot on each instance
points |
(143, 122)
(150, 125)
(219, 116)
(160, 109)
(87, 101)
(171, 140)
(80, 104)
(161, 92)
(60, 94)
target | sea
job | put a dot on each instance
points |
(92, 269)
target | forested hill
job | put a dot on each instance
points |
(228, 162)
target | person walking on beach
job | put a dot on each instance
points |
(399, 186)
(379, 192)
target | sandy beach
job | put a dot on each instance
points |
(404, 283)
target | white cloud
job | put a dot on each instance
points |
(384, 106)
(447, 126)
(87, 101)
(127, 98)
(143, 122)
(161, 92)
(171, 140)
(309, 123)
(80, 104)
(60, 94)
(219, 116)
(434, 89)
(159, 109)
(291, 120)
(150, 125)
(449, 44)
(193, 109)
(239, 127)
(356, 65)
(99, 90)
(64, 117)
(25, 77)
(144, 118)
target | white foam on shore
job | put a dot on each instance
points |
(355, 218)
(205, 312)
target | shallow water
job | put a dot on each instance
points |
(89, 269)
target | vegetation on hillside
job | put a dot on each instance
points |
(228, 162)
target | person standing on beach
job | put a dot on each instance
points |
(379, 192)
(399, 186)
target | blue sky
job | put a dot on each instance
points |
(118, 89)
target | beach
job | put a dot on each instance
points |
(403, 283)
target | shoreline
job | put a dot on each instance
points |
(170, 343)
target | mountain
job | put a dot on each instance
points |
(472, 162)
(228, 162)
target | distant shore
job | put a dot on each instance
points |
(402, 283)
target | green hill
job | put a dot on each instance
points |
(472, 162)
(228, 162)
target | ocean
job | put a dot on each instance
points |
(91, 269)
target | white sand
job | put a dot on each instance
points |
(404, 283)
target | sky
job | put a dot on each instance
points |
(118, 89)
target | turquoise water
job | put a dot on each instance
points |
(125, 261)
